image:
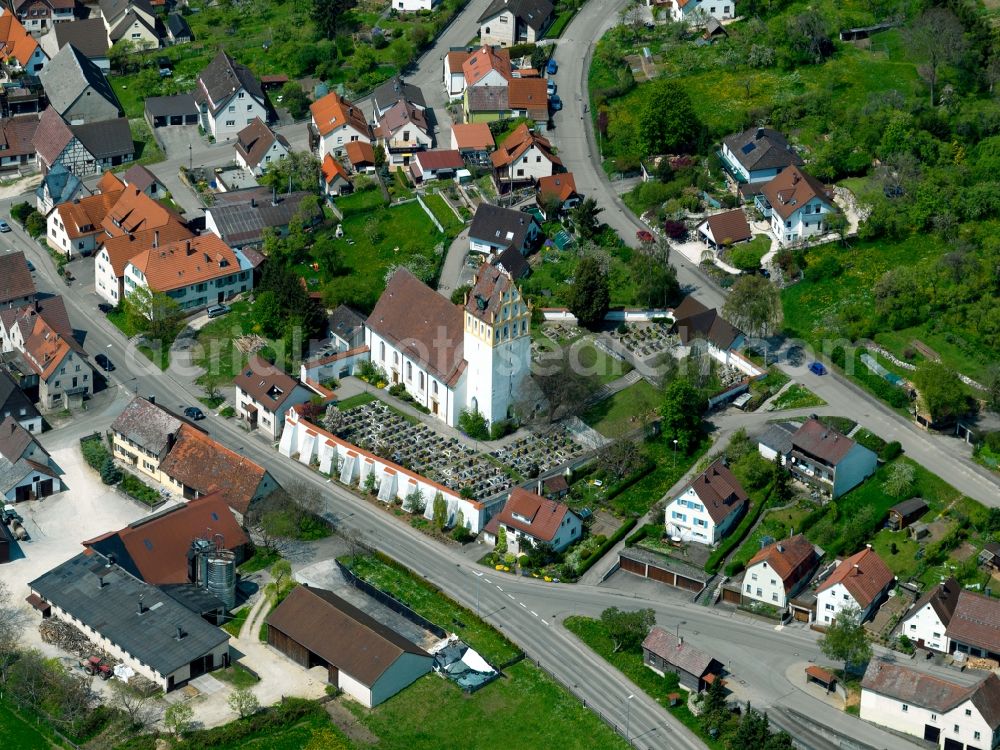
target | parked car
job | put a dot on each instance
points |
(4, 226)
(817, 368)
(555, 103)
(644, 236)
(216, 310)
(104, 363)
(31, 266)
(551, 87)
(105, 308)
(552, 68)
(194, 414)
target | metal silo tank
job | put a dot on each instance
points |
(221, 576)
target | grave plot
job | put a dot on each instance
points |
(645, 339)
(533, 455)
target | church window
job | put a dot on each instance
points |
(381, 350)
(409, 371)
(421, 376)
(434, 387)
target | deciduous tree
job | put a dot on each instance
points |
(681, 412)
(330, 16)
(937, 38)
(753, 305)
(846, 640)
(244, 702)
(564, 387)
(656, 280)
(177, 718)
(941, 393)
(899, 483)
(666, 119)
(590, 295)
(627, 629)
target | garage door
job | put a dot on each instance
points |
(45, 488)
(632, 566)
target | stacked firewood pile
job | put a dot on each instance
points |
(69, 638)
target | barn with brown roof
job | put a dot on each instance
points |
(664, 652)
(366, 659)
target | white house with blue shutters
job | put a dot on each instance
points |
(708, 508)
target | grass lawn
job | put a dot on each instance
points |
(629, 663)
(777, 524)
(383, 236)
(236, 676)
(234, 626)
(443, 213)
(216, 353)
(593, 361)
(433, 713)
(560, 24)
(902, 562)
(355, 401)
(637, 499)
(614, 416)
(314, 730)
(259, 561)
(965, 356)
(797, 397)
(552, 276)
(147, 150)
(428, 602)
(19, 733)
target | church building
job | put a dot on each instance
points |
(453, 358)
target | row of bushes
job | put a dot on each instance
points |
(139, 490)
(611, 541)
(94, 452)
(893, 395)
(732, 541)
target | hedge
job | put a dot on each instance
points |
(891, 394)
(616, 489)
(138, 489)
(736, 538)
(602, 550)
(649, 529)
(94, 453)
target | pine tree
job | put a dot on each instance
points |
(782, 492)
(590, 295)
(110, 473)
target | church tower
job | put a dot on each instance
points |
(497, 345)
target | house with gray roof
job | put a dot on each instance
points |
(86, 149)
(27, 471)
(77, 88)
(178, 30)
(240, 217)
(88, 36)
(230, 97)
(776, 440)
(15, 403)
(139, 624)
(143, 434)
(758, 155)
(664, 652)
(395, 90)
(494, 229)
(510, 22)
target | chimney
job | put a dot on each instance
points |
(180, 633)
(868, 546)
(253, 203)
(795, 178)
(152, 399)
(759, 135)
(857, 567)
(156, 238)
(139, 608)
(187, 247)
(539, 487)
(100, 581)
(781, 548)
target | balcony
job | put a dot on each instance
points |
(763, 205)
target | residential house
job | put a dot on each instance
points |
(950, 619)
(665, 652)
(949, 715)
(346, 328)
(20, 51)
(700, 12)
(486, 104)
(494, 229)
(825, 459)
(779, 571)
(436, 165)
(230, 97)
(59, 185)
(157, 549)
(195, 272)
(17, 287)
(708, 508)
(510, 22)
(84, 150)
(140, 178)
(257, 146)
(511, 262)
(725, 229)
(136, 623)
(361, 156)
(78, 90)
(453, 357)
(14, 403)
(334, 177)
(401, 132)
(796, 204)
(54, 356)
(696, 324)
(454, 75)
(395, 90)
(27, 471)
(264, 393)
(474, 141)
(240, 217)
(412, 6)
(529, 98)
(776, 441)
(165, 111)
(17, 147)
(529, 517)
(524, 157)
(859, 582)
(38, 15)
(487, 67)
(178, 30)
(89, 37)
(366, 659)
(903, 514)
(176, 453)
(135, 21)
(758, 155)
(335, 123)
(558, 190)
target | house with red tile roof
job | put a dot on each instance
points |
(951, 619)
(529, 517)
(831, 462)
(336, 179)
(779, 571)
(19, 49)
(57, 360)
(436, 164)
(942, 713)
(474, 141)
(454, 74)
(797, 205)
(75, 227)
(524, 157)
(708, 508)
(557, 190)
(859, 582)
(725, 229)
(335, 123)
(264, 393)
(361, 156)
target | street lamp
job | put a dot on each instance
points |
(628, 716)
(675, 454)
(190, 158)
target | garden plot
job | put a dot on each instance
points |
(644, 340)
(377, 428)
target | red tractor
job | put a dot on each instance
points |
(93, 666)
